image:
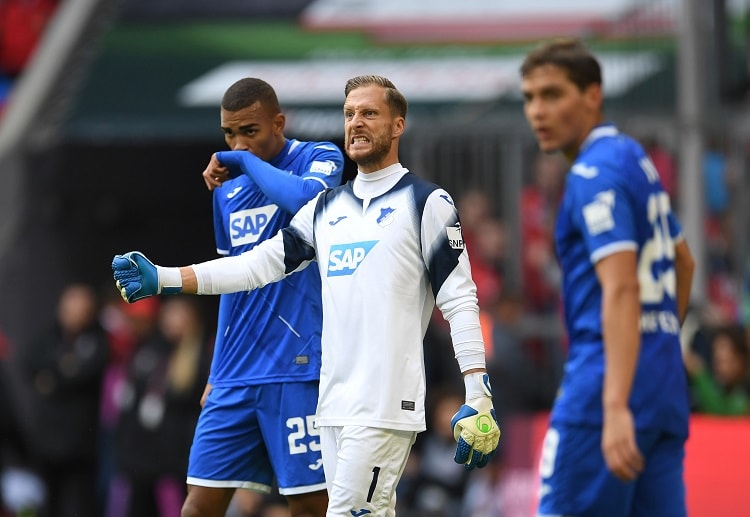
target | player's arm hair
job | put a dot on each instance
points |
(684, 267)
(621, 311)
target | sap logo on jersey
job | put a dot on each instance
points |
(344, 259)
(246, 226)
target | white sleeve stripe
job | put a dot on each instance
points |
(316, 179)
(611, 249)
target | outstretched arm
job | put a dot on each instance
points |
(288, 251)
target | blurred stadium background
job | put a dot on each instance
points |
(110, 112)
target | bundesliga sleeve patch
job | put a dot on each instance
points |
(598, 213)
(326, 167)
(455, 238)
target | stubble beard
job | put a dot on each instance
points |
(380, 149)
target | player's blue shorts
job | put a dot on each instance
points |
(245, 435)
(575, 479)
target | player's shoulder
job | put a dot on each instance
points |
(608, 156)
(414, 181)
(329, 194)
(427, 193)
(322, 146)
(609, 146)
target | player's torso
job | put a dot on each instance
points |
(613, 200)
(269, 334)
(374, 289)
(631, 208)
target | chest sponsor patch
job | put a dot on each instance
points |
(344, 259)
(246, 226)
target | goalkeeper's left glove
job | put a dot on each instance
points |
(475, 426)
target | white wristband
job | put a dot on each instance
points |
(474, 385)
(170, 280)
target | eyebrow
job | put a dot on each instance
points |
(243, 128)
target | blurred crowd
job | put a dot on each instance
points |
(22, 23)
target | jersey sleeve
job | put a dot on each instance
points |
(445, 255)
(675, 228)
(454, 289)
(603, 213)
(323, 169)
(289, 250)
(326, 165)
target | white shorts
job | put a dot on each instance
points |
(362, 467)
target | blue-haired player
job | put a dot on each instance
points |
(615, 444)
(257, 421)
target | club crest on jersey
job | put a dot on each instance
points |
(455, 237)
(344, 259)
(386, 216)
(246, 226)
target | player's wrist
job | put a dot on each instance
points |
(170, 280)
(477, 386)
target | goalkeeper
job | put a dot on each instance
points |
(388, 248)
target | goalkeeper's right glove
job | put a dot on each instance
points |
(137, 277)
(475, 429)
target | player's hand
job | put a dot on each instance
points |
(135, 276)
(619, 447)
(215, 173)
(476, 430)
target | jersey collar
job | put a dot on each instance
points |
(599, 131)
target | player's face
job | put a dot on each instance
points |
(370, 129)
(254, 129)
(560, 114)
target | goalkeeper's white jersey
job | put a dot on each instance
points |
(389, 247)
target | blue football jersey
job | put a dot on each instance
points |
(614, 201)
(270, 334)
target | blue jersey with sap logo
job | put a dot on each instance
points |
(614, 201)
(270, 334)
